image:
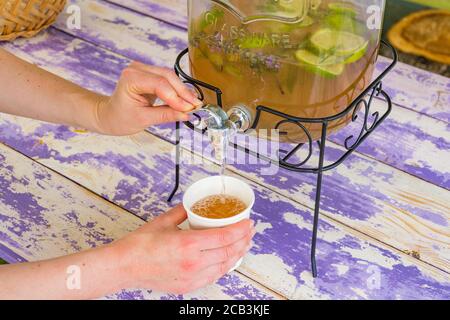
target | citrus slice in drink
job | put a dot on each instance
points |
(309, 57)
(343, 8)
(340, 43)
(358, 54)
(340, 22)
(329, 67)
(330, 71)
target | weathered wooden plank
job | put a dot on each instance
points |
(99, 69)
(44, 215)
(409, 128)
(418, 90)
(407, 140)
(10, 256)
(410, 87)
(171, 11)
(136, 172)
(126, 32)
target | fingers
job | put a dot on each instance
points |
(163, 114)
(167, 77)
(199, 278)
(173, 217)
(222, 237)
(182, 90)
(213, 273)
(143, 83)
(220, 255)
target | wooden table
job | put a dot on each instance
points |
(384, 230)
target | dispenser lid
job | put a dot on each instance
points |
(288, 11)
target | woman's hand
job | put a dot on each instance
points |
(128, 111)
(157, 256)
(161, 257)
(131, 108)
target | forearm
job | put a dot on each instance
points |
(100, 274)
(28, 91)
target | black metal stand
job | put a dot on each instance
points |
(364, 100)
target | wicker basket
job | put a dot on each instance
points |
(25, 18)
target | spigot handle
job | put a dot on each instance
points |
(213, 116)
(241, 117)
(238, 117)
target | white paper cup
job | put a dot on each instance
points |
(213, 186)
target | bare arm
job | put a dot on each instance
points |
(51, 279)
(157, 256)
(29, 91)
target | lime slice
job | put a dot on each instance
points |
(307, 21)
(330, 71)
(340, 22)
(341, 43)
(329, 67)
(308, 57)
(358, 54)
(343, 8)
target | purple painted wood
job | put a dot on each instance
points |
(409, 87)
(409, 141)
(346, 262)
(171, 11)
(9, 255)
(97, 69)
(418, 90)
(43, 216)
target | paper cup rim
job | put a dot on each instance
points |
(224, 220)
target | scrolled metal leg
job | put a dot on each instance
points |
(177, 162)
(317, 203)
(373, 89)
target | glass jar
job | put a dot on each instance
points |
(305, 58)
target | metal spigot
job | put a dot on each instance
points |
(238, 118)
(241, 117)
(222, 126)
(210, 116)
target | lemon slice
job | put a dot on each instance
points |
(341, 43)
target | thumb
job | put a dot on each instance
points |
(165, 114)
(173, 217)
